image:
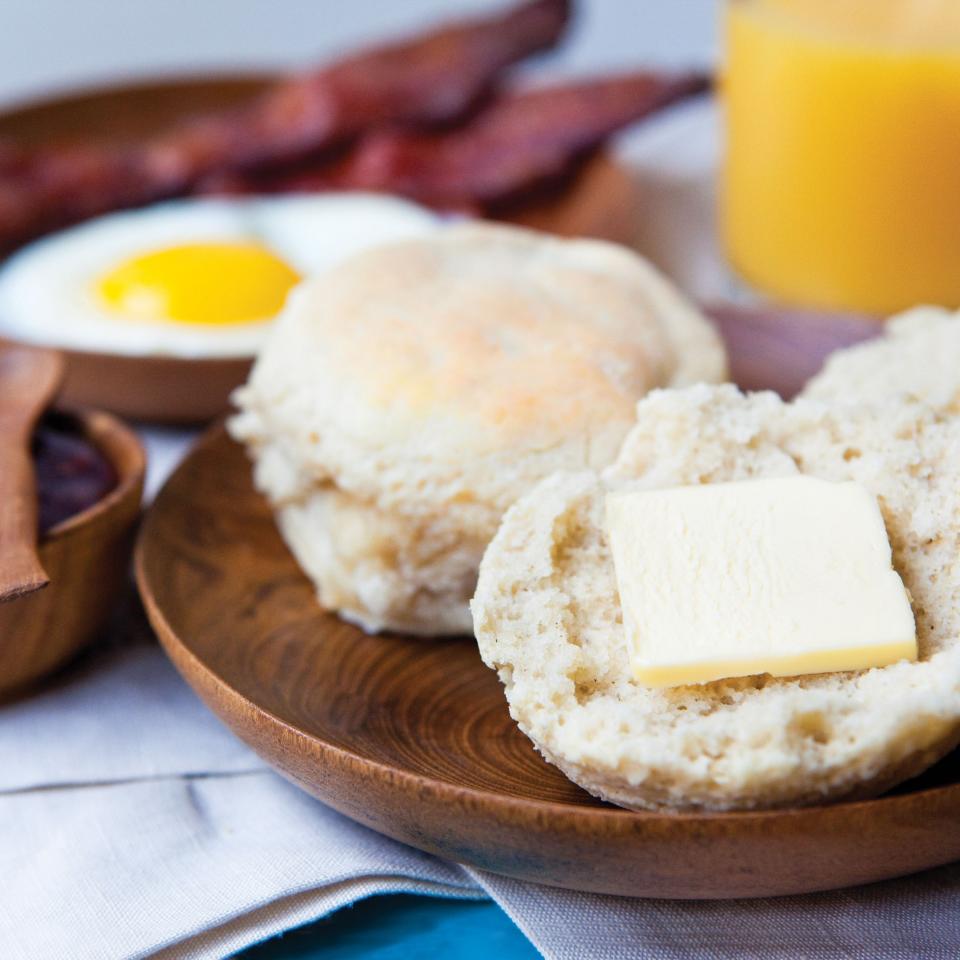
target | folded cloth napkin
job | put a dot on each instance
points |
(84, 712)
(132, 824)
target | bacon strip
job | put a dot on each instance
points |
(429, 80)
(518, 140)
(13, 159)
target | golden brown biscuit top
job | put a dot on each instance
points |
(519, 336)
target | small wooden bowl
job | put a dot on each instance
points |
(87, 557)
(601, 201)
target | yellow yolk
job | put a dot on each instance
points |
(199, 283)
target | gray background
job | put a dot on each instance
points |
(49, 45)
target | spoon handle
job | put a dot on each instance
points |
(20, 569)
(29, 379)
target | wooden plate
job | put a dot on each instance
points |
(412, 736)
(600, 202)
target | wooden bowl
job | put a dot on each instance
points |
(412, 736)
(601, 201)
(87, 557)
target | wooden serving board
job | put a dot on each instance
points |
(412, 736)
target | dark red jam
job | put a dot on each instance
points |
(72, 474)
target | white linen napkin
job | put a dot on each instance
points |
(132, 824)
(125, 715)
(917, 918)
(186, 866)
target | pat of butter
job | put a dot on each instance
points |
(782, 576)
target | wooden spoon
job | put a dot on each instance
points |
(29, 379)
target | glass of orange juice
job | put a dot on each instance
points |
(841, 183)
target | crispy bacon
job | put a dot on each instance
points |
(428, 80)
(13, 159)
(518, 140)
(55, 187)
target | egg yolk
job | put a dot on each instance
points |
(199, 283)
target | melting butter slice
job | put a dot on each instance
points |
(783, 576)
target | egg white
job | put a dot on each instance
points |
(47, 291)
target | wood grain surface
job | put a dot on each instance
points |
(412, 736)
(600, 201)
(87, 557)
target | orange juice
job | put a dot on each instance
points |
(841, 185)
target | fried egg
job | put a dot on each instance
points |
(188, 278)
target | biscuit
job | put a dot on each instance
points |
(917, 356)
(408, 397)
(547, 616)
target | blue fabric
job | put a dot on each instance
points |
(403, 927)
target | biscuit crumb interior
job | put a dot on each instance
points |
(547, 615)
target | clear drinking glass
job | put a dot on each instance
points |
(841, 180)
